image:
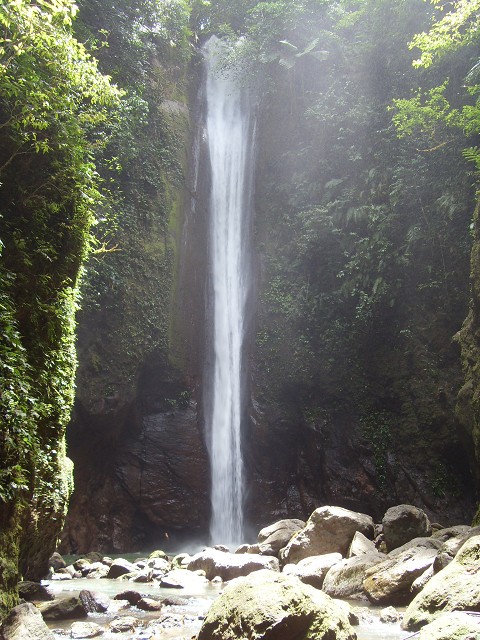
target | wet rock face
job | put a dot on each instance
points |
(138, 479)
(293, 467)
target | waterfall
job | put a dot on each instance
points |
(229, 131)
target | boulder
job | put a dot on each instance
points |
(86, 630)
(230, 565)
(390, 581)
(124, 624)
(389, 615)
(183, 579)
(454, 543)
(416, 543)
(93, 601)
(277, 535)
(149, 604)
(452, 626)
(33, 591)
(361, 546)
(267, 604)
(97, 570)
(451, 532)
(403, 523)
(25, 622)
(419, 583)
(120, 567)
(63, 609)
(159, 564)
(328, 530)
(131, 596)
(455, 588)
(313, 570)
(56, 561)
(345, 579)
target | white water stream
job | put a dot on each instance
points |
(230, 147)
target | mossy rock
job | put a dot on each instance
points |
(455, 588)
(271, 606)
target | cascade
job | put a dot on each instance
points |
(229, 133)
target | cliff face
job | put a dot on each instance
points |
(362, 251)
(468, 408)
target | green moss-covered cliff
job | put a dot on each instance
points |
(49, 89)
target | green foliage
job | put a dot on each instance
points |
(434, 114)
(54, 107)
(376, 428)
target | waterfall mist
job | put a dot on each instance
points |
(229, 131)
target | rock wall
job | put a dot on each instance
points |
(353, 373)
(468, 401)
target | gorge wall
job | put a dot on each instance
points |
(362, 262)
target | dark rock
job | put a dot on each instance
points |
(403, 523)
(120, 567)
(94, 602)
(33, 591)
(56, 561)
(25, 622)
(157, 478)
(131, 596)
(63, 609)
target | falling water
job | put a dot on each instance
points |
(230, 148)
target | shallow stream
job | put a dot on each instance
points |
(181, 622)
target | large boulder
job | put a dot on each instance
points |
(345, 579)
(390, 581)
(183, 579)
(452, 626)
(93, 601)
(313, 570)
(277, 535)
(361, 546)
(120, 567)
(25, 622)
(271, 605)
(403, 523)
(230, 565)
(455, 588)
(33, 591)
(63, 609)
(328, 530)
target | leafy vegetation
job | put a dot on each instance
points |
(364, 237)
(53, 107)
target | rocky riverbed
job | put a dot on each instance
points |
(338, 575)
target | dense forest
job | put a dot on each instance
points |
(363, 349)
